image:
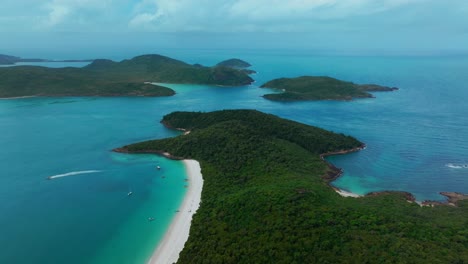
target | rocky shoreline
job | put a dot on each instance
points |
(452, 199)
(335, 172)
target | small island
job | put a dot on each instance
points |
(109, 78)
(309, 88)
(266, 198)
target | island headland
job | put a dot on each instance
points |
(234, 63)
(237, 64)
(11, 60)
(108, 78)
(309, 88)
(265, 199)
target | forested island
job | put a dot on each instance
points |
(11, 60)
(265, 199)
(307, 88)
(109, 78)
(234, 63)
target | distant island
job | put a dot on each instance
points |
(109, 78)
(11, 60)
(308, 88)
(237, 64)
(265, 198)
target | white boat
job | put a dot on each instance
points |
(129, 193)
(157, 167)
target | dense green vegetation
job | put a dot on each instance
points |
(38, 81)
(106, 77)
(264, 199)
(319, 88)
(234, 63)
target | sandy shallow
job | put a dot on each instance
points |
(173, 242)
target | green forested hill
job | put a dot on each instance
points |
(159, 68)
(235, 63)
(264, 199)
(106, 77)
(319, 88)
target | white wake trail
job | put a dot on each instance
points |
(72, 173)
(457, 166)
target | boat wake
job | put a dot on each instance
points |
(71, 174)
(457, 166)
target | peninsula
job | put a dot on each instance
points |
(108, 78)
(265, 198)
(308, 88)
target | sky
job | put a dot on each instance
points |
(349, 25)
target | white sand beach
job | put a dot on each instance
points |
(174, 240)
(346, 194)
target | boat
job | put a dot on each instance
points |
(150, 219)
(157, 167)
(129, 193)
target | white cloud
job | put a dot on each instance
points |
(251, 15)
(61, 11)
(57, 14)
(144, 20)
(180, 15)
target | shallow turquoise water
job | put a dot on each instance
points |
(82, 218)
(416, 142)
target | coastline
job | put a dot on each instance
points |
(334, 173)
(174, 240)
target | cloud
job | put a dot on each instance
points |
(65, 11)
(57, 14)
(221, 15)
(251, 15)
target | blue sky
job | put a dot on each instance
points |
(321, 24)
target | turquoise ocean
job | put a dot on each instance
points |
(416, 141)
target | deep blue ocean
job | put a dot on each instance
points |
(416, 141)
